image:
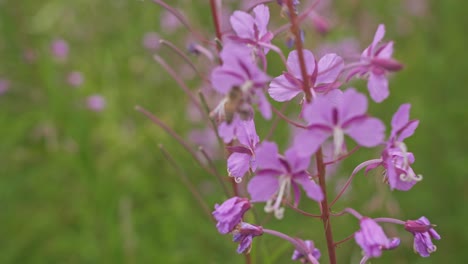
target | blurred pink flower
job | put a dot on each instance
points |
(4, 86)
(151, 41)
(75, 79)
(169, 22)
(60, 49)
(95, 103)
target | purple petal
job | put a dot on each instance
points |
(228, 131)
(378, 87)
(263, 105)
(353, 104)
(312, 189)
(297, 162)
(408, 130)
(329, 67)
(262, 188)
(238, 164)
(281, 89)
(267, 156)
(246, 134)
(223, 80)
(368, 132)
(294, 66)
(386, 51)
(400, 118)
(262, 17)
(319, 112)
(379, 34)
(307, 142)
(243, 24)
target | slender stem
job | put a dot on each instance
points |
(171, 132)
(214, 14)
(280, 114)
(299, 245)
(350, 179)
(182, 20)
(184, 57)
(179, 81)
(213, 123)
(343, 156)
(325, 208)
(344, 240)
(215, 170)
(188, 184)
(303, 212)
(297, 35)
(276, 121)
(248, 259)
(389, 220)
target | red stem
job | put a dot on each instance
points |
(298, 41)
(214, 14)
(325, 207)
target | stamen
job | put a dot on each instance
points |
(276, 207)
(404, 150)
(408, 177)
(433, 249)
(338, 140)
(238, 179)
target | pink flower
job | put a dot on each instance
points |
(243, 156)
(151, 41)
(376, 62)
(322, 75)
(229, 214)
(372, 239)
(75, 79)
(335, 119)
(4, 86)
(96, 103)
(59, 49)
(423, 232)
(276, 175)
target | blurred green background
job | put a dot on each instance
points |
(78, 186)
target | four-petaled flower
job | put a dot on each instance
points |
(395, 157)
(322, 75)
(276, 175)
(423, 232)
(345, 116)
(307, 248)
(372, 239)
(244, 234)
(252, 30)
(243, 156)
(376, 61)
(229, 214)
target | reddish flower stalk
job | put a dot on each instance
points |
(319, 155)
(215, 170)
(297, 34)
(184, 57)
(214, 14)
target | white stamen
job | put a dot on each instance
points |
(411, 176)
(238, 179)
(338, 140)
(245, 88)
(404, 150)
(276, 207)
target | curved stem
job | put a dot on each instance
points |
(303, 212)
(343, 156)
(276, 121)
(184, 57)
(299, 246)
(344, 240)
(280, 114)
(215, 170)
(389, 220)
(350, 179)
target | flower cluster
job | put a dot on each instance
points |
(330, 112)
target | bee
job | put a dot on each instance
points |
(236, 103)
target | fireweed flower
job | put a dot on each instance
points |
(242, 82)
(346, 116)
(243, 157)
(96, 103)
(244, 234)
(252, 30)
(372, 239)
(75, 79)
(229, 214)
(4, 86)
(59, 49)
(276, 175)
(395, 157)
(376, 62)
(322, 75)
(423, 232)
(151, 41)
(311, 249)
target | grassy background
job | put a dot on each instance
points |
(84, 187)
